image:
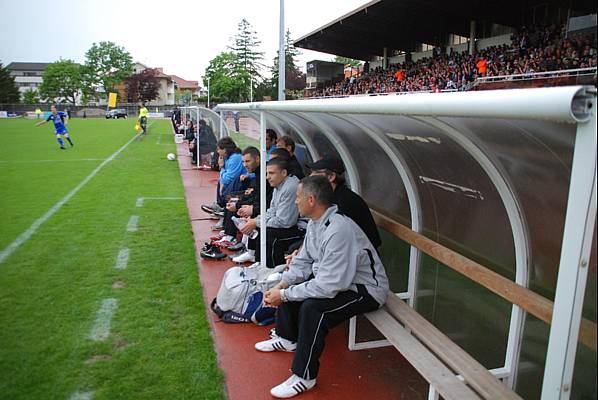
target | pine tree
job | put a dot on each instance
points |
(9, 92)
(244, 46)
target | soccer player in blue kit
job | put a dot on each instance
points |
(60, 120)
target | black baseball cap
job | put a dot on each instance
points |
(329, 163)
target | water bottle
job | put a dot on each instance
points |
(240, 223)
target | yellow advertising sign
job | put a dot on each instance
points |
(112, 100)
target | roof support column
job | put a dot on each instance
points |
(471, 37)
(385, 55)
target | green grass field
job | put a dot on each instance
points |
(243, 141)
(54, 283)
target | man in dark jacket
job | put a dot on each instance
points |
(349, 203)
(295, 168)
(247, 205)
(206, 141)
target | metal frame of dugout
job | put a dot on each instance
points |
(212, 118)
(499, 186)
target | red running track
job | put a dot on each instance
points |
(373, 373)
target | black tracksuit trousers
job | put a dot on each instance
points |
(278, 241)
(308, 322)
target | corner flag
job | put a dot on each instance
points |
(112, 100)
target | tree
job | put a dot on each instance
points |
(186, 96)
(30, 96)
(9, 92)
(345, 60)
(144, 86)
(106, 65)
(294, 78)
(228, 80)
(244, 47)
(61, 80)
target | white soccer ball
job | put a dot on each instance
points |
(170, 157)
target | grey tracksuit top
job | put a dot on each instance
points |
(283, 212)
(340, 256)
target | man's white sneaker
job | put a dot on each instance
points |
(276, 344)
(244, 258)
(292, 387)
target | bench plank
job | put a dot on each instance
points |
(535, 304)
(474, 373)
(437, 374)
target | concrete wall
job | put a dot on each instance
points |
(458, 48)
(421, 54)
(494, 41)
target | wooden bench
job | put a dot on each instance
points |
(450, 370)
(436, 357)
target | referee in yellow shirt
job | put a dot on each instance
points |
(143, 118)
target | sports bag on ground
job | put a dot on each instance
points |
(241, 294)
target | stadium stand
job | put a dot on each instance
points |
(530, 52)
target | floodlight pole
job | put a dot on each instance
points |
(208, 92)
(281, 56)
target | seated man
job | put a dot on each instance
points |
(251, 162)
(336, 275)
(287, 142)
(349, 203)
(206, 142)
(294, 168)
(271, 139)
(281, 218)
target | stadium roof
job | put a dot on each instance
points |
(27, 66)
(401, 24)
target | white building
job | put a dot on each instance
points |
(28, 75)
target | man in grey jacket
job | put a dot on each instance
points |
(336, 275)
(281, 218)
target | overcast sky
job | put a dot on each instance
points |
(181, 36)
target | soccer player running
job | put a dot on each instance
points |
(60, 120)
(143, 118)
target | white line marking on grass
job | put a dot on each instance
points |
(23, 237)
(48, 161)
(123, 259)
(101, 328)
(140, 200)
(81, 396)
(132, 225)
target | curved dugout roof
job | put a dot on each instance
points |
(212, 118)
(435, 159)
(486, 174)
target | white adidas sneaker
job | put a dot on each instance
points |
(292, 387)
(245, 257)
(276, 344)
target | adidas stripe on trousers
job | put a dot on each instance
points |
(308, 322)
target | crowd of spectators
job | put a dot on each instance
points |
(530, 51)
